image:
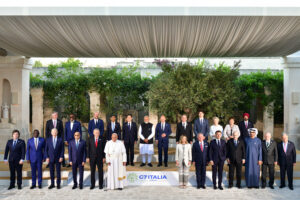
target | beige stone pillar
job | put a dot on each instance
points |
(95, 105)
(268, 116)
(37, 108)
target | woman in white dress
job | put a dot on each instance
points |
(230, 129)
(183, 159)
(215, 127)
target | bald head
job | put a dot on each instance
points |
(268, 136)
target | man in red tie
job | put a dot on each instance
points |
(244, 126)
(96, 157)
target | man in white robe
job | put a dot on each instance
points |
(116, 160)
(146, 133)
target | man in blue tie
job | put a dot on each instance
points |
(113, 127)
(16, 150)
(54, 154)
(162, 132)
(77, 158)
(96, 123)
(201, 125)
(35, 156)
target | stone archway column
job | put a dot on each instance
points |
(292, 98)
(95, 105)
(37, 95)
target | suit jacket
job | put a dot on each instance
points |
(77, 154)
(217, 153)
(59, 127)
(204, 128)
(289, 157)
(35, 155)
(236, 153)
(269, 155)
(188, 132)
(16, 153)
(92, 126)
(244, 130)
(199, 157)
(69, 134)
(129, 135)
(54, 154)
(158, 132)
(183, 154)
(109, 131)
(93, 152)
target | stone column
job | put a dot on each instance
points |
(292, 98)
(153, 117)
(268, 116)
(95, 105)
(37, 108)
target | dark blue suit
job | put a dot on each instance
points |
(77, 155)
(201, 159)
(54, 154)
(129, 137)
(163, 143)
(109, 130)
(36, 157)
(217, 154)
(201, 128)
(92, 126)
(69, 134)
(16, 153)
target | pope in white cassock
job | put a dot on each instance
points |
(116, 159)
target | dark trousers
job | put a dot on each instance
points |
(200, 174)
(129, 151)
(36, 167)
(163, 145)
(289, 170)
(76, 166)
(14, 167)
(265, 168)
(238, 167)
(52, 166)
(218, 167)
(99, 163)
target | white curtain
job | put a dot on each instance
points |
(149, 36)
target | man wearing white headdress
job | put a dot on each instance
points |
(253, 159)
(116, 159)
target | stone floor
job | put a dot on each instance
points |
(149, 192)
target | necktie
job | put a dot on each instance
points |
(284, 147)
(246, 124)
(36, 143)
(77, 144)
(113, 127)
(218, 142)
(268, 144)
(201, 122)
(235, 143)
(96, 142)
(129, 126)
(14, 144)
(96, 121)
(163, 126)
(54, 143)
(201, 146)
(231, 132)
(184, 125)
(54, 123)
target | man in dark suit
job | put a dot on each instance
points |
(113, 127)
(96, 123)
(200, 158)
(162, 132)
(236, 157)
(96, 157)
(54, 122)
(35, 156)
(184, 128)
(201, 125)
(217, 156)
(15, 149)
(244, 126)
(77, 158)
(130, 138)
(286, 160)
(54, 154)
(269, 158)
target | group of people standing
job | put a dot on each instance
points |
(239, 147)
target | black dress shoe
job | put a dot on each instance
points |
(19, 187)
(263, 186)
(198, 187)
(11, 187)
(68, 165)
(150, 165)
(249, 187)
(220, 187)
(50, 187)
(74, 187)
(256, 187)
(271, 186)
(142, 165)
(291, 187)
(120, 188)
(166, 164)
(230, 186)
(92, 187)
(132, 164)
(239, 187)
(58, 187)
(159, 165)
(40, 187)
(203, 187)
(282, 186)
(127, 164)
(215, 187)
(81, 187)
(100, 187)
(64, 165)
(47, 166)
(32, 187)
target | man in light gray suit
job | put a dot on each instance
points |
(201, 125)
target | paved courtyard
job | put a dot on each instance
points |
(149, 192)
